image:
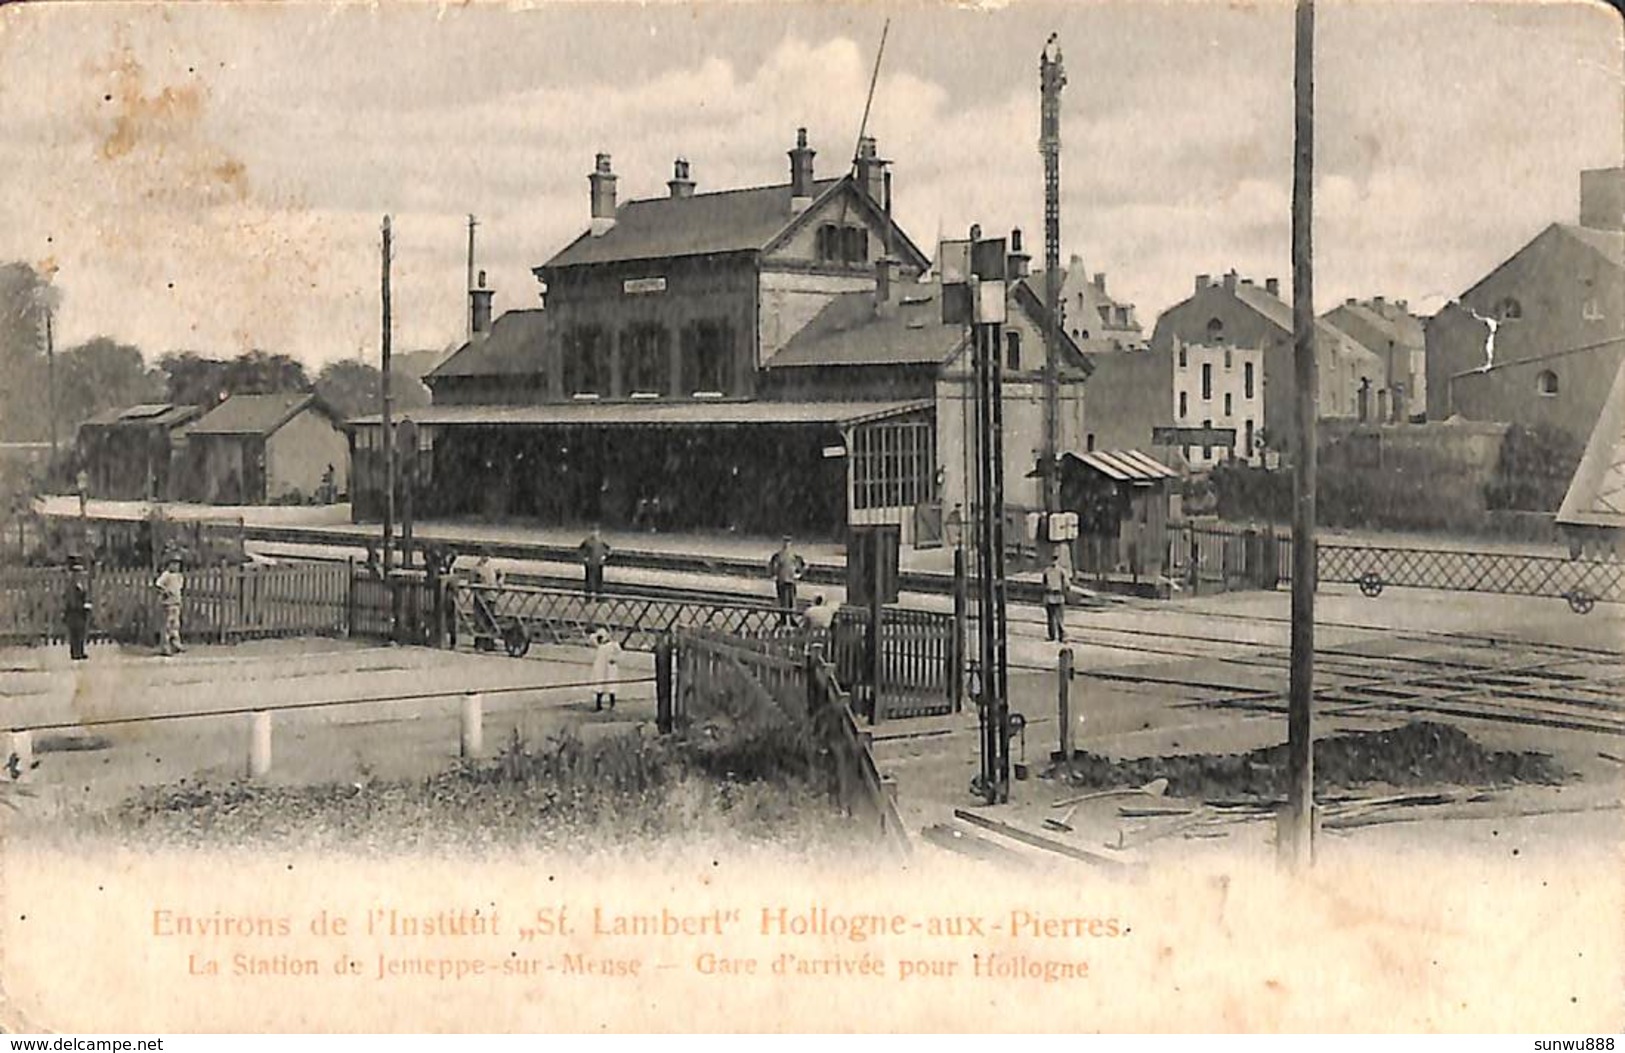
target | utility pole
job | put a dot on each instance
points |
(1052, 78)
(50, 376)
(1294, 837)
(387, 440)
(468, 287)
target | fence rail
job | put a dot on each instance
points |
(221, 604)
(1582, 582)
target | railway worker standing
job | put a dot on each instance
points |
(606, 669)
(821, 615)
(78, 607)
(170, 585)
(1055, 599)
(594, 554)
(786, 568)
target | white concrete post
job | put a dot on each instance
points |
(21, 745)
(472, 742)
(259, 744)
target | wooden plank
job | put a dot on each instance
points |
(1027, 837)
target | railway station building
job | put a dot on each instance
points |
(637, 396)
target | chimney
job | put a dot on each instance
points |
(1602, 199)
(888, 286)
(1100, 282)
(680, 184)
(1273, 286)
(1403, 305)
(1019, 265)
(869, 170)
(1202, 280)
(801, 173)
(479, 310)
(1230, 282)
(1377, 302)
(603, 196)
(1350, 302)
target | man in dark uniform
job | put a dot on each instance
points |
(78, 607)
(594, 554)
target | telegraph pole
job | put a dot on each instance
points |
(468, 301)
(1295, 833)
(1052, 78)
(50, 377)
(387, 439)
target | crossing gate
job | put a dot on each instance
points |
(551, 615)
(1581, 582)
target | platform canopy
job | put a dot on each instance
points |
(1125, 466)
(697, 414)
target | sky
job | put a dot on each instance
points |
(213, 177)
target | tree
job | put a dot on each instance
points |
(193, 380)
(351, 388)
(25, 297)
(265, 373)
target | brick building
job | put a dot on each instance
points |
(1538, 340)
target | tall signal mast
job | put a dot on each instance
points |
(1052, 78)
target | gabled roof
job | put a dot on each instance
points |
(1596, 496)
(850, 332)
(1279, 313)
(257, 414)
(1611, 243)
(515, 345)
(1401, 328)
(752, 219)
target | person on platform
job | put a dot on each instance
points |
(606, 669)
(821, 615)
(170, 585)
(786, 568)
(594, 554)
(487, 576)
(1055, 600)
(78, 607)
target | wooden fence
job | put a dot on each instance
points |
(781, 682)
(219, 604)
(1217, 557)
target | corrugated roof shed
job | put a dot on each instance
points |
(150, 414)
(254, 414)
(516, 345)
(1125, 466)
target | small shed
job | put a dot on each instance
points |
(127, 454)
(266, 449)
(1121, 498)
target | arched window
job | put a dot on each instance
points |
(1215, 330)
(1509, 308)
(1546, 382)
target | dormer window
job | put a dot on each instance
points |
(1215, 331)
(1508, 308)
(1546, 383)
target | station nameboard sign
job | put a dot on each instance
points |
(1193, 436)
(643, 286)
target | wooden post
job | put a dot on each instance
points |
(876, 638)
(1063, 696)
(663, 686)
(957, 647)
(472, 741)
(259, 744)
(1295, 833)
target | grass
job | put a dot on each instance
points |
(562, 794)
